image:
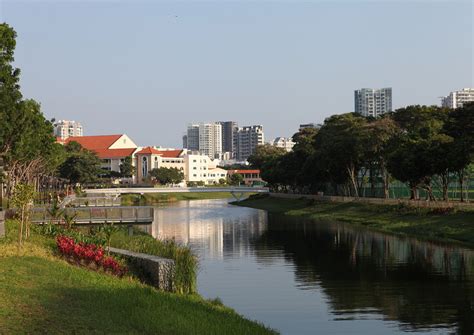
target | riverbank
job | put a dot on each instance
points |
(160, 198)
(453, 226)
(40, 292)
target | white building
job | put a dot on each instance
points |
(283, 142)
(64, 129)
(205, 138)
(247, 140)
(111, 149)
(195, 167)
(458, 98)
(373, 102)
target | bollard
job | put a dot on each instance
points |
(130, 230)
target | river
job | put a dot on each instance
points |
(302, 277)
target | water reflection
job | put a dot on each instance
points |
(306, 277)
(420, 284)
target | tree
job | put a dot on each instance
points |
(167, 176)
(126, 168)
(416, 145)
(236, 179)
(81, 166)
(340, 151)
(460, 126)
(263, 154)
(22, 199)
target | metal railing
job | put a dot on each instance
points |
(97, 215)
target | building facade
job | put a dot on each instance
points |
(309, 125)
(210, 139)
(373, 102)
(65, 128)
(250, 177)
(229, 129)
(283, 142)
(192, 137)
(458, 98)
(111, 149)
(247, 139)
(150, 158)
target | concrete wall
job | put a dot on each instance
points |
(153, 270)
(379, 201)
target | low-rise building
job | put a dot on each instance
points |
(111, 149)
(283, 142)
(150, 158)
(251, 177)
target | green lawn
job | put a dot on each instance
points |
(458, 226)
(43, 295)
(40, 293)
(157, 198)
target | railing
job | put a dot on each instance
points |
(97, 215)
(96, 201)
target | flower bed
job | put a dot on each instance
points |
(90, 255)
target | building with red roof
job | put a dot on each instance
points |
(111, 149)
(251, 177)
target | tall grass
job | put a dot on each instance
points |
(186, 263)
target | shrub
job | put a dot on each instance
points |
(90, 253)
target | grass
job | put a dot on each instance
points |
(158, 198)
(453, 227)
(40, 293)
(186, 262)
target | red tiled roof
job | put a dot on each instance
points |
(94, 142)
(114, 153)
(244, 171)
(163, 153)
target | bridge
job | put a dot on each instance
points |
(237, 192)
(97, 215)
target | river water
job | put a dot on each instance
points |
(302, 277)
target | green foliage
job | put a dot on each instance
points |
(167, 176)
(236, 179)
(22, 200)
(186, 262)
(81, 166)
(126, 168)
(264, 153)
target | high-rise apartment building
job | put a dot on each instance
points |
(210, 139)
(192, 137)
(373, 102)
(310, 125)
(205, 138)
(458, 98)
(229, 129)
(64, 129)
(247, 139)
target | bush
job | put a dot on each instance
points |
(90, 254)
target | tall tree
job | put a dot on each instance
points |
(81, 166)
(167, 176)
(126, 168)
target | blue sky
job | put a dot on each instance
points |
(147, 68)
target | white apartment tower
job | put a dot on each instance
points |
(373, 102)
(247, 140)
(458, 98)
(64, 129)
(205, 138)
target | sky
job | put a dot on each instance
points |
(148, 68)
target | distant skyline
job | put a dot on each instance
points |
(149, 68)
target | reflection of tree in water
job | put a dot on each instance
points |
(419, 284)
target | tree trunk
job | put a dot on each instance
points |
(413, 191)
(372, 182)
(461, 183)
(445, 182)
(352, 176)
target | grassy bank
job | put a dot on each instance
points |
(456, 226)
(185, 261)
(41, 293)
(158, 198)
